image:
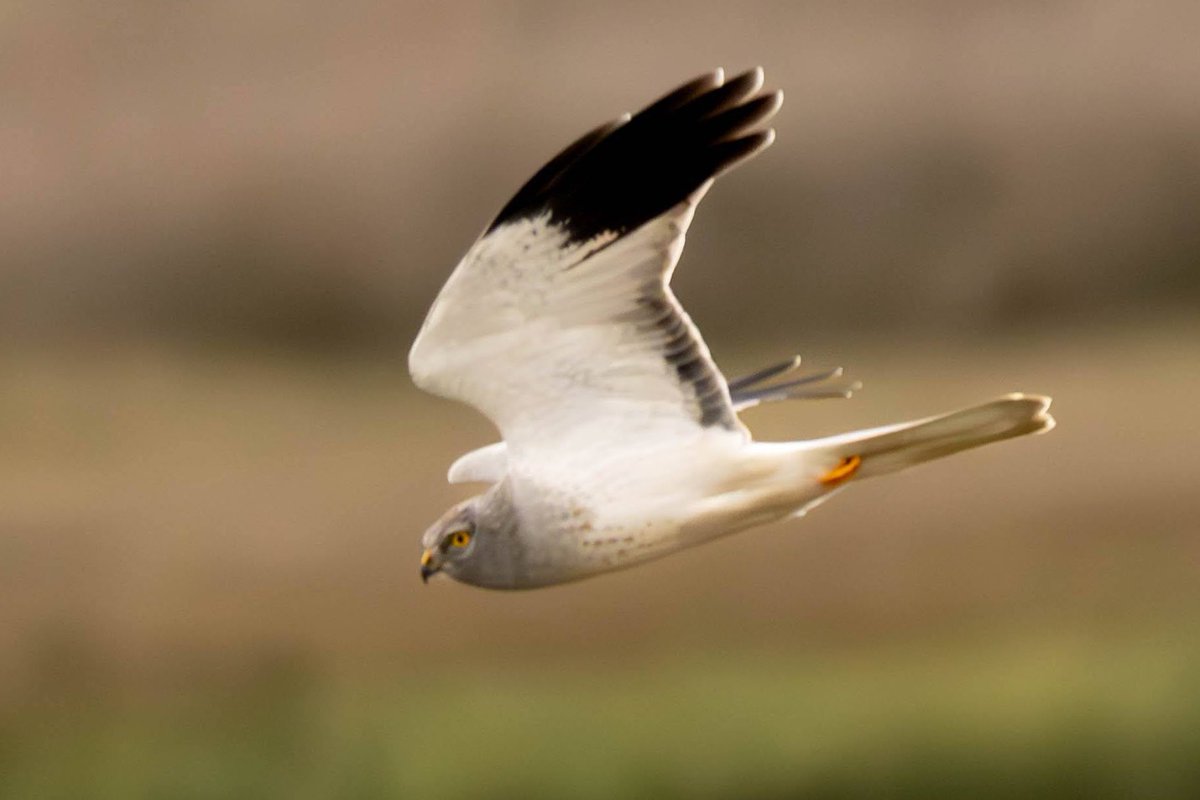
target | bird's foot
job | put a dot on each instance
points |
(842, 472)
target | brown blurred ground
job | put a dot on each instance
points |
(221, 224)
(168, 510)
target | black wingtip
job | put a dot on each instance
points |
(685, 93)
(625, 173)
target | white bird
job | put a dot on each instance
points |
(621, 440)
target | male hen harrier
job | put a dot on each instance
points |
(621, 437)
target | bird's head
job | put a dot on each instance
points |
(472, 543)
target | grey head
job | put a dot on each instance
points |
(475, 542)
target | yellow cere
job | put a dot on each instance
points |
(460, 538)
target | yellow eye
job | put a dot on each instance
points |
(460, 538)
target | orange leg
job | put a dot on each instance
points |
(842, 472)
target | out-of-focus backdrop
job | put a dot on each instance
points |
(221, 223)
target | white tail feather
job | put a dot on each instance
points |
(895, 447)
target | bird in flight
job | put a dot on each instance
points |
(621, 438)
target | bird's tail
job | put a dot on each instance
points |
(879, 451)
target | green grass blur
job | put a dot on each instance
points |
(1042, 718)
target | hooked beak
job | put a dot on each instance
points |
(429, 564)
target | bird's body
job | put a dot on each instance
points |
(621, 436)
(629, 507)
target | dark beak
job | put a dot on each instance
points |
(428, 567)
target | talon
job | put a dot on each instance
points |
(843, 471)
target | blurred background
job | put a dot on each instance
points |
(221, 224)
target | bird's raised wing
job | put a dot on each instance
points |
(559, 324)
